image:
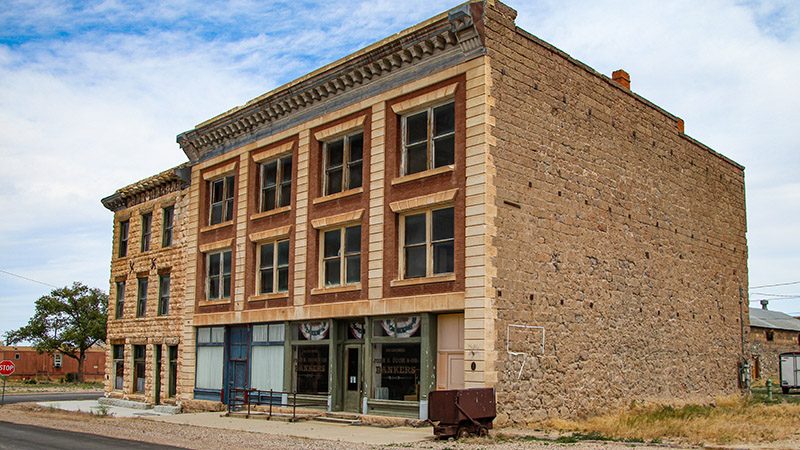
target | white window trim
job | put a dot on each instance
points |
(429, 145)
(279, 178)
(210, 187)
(207, 282)
(401, 270)
(342, 256)
(57, 360)
(345, 161)
(274, 244)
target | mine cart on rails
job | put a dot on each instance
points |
(462, 412)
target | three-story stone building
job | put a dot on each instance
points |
(458, 205)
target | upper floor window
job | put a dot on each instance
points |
(218, 275)
(428, 243)
(429, 139)
(57, 359)
(163, 295)
(341, 256)
(147, 230)
(141, 297)
(276, 183)
(273, 269)
(221, 196)
(120, 303)
(123, 238)
(168, 217)
(343, 161)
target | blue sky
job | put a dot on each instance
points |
(93, 93)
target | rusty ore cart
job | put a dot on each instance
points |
(462, 412)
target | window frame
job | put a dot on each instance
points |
(136, 361)
(346, 162)
(119, 363)
(124, 233)
(342, 255)
(119, 303)
(147, 232)
(221, 330)
(58, 360)
(275, 243)
(228, 196)
(281, 182)
(429, 137)
(167, 227)
(141, 296)
(429, 243)
(221, 275)
(164, 300)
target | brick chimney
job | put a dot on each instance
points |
(622, 78)
(764, 304)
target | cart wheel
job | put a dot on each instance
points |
(483, 432)
(463, 432)
(785, 390)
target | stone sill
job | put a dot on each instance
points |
(423, 174)
(336, 289)
(338, 195)
(213, 302)
(274, 296)
(272, 212)
(216, 227)
(423, 280)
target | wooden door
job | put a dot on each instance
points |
(450, 355)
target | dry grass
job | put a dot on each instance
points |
(732, 419)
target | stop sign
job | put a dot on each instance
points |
(6, 367)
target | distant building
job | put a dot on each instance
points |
(771, 333)
(458, 205)
(30, 364)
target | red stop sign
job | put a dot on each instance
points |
(6, 367)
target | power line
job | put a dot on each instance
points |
(775, 285)
(775, 295)
(28, 279)
(775, 299)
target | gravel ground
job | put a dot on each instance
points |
(188, 436)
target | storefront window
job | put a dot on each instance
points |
(266, 361)
(396, 358)
(312, 369)
(210, 352)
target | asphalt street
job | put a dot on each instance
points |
(52, 396)
(16, 436)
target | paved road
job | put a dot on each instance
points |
(24, 437)
(52, 396)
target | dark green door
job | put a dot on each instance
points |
(173, 371)
(157, 378)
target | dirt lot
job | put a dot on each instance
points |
(17, 387)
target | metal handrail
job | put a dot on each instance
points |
(256, 397)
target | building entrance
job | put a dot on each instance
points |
(353, 371)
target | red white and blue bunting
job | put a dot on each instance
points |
(401, 327)
(315, 331)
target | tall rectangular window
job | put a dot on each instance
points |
(141, 297)
(168, 217)
(139, 363)
(273, 271)
(119, 308)
(147, 231)
(221, 197)
(343, 161)
(429, 139)
(266, 362)
(163, 295)
(218, 275)
(276, 183)
(428, 243)
(123, 238)
(341, 256)
(118, 351)
(210, 352)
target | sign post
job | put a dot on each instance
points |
(6, 369)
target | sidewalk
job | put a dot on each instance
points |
(309, 429)
(91, 406)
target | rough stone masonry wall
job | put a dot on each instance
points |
(623, 238)
(767, 353)
(151, 330)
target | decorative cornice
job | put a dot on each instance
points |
(170, 180)
(455, 30)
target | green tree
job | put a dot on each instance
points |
(69, 320)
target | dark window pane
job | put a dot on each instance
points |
(444, 119)
(228, 210)
(355, 176)
(416, 158)
(443, 151)
(217, 191)
(226, 286)
(353, 269)
(333, 240)
(229, 187)
(216, 214)
(213, 264)
(226, 262)
(443, 257)
(266, 281)
(415, 261)
(286, 169)
(352, 239)
(356, 147)
(267, 255)
(286, 194)
(332, 272)
(283, 279)
(213, 287)
(415, 229)
(268, 199)
(283, 253)
(335, 153)
(270, 174)
(417, 128)
(334, 181)
(442, 224)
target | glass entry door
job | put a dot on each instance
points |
(352, 378)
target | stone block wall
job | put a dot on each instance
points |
(766, 354)
(620, 236)
(151, 330)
